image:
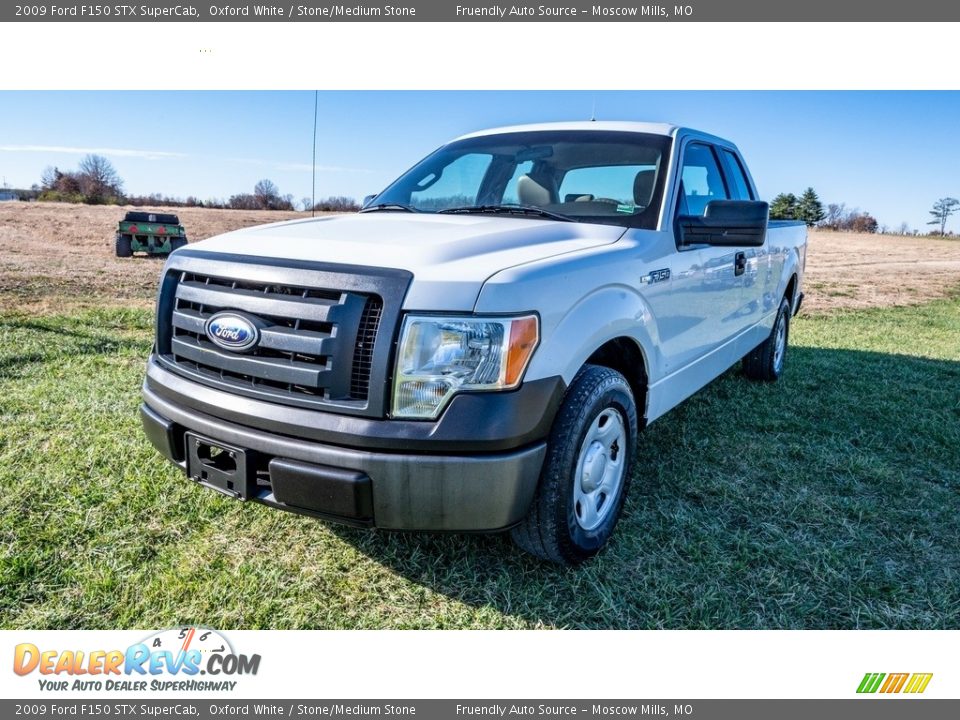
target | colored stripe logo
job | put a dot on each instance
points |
(911, 683)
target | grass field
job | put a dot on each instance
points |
(828, 500)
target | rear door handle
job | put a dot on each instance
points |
(740, 263)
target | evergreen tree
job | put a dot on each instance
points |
(784, 207)
(809, 208)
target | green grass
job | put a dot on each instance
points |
(829, 500)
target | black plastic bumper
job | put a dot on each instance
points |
(472, 422)
(453, 474)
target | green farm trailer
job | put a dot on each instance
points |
(152, 233)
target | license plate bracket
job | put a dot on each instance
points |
(220, 467)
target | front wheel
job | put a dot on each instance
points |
(766, 361)
(586, 474)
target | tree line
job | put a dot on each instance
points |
(810, 209)
(836, 216)
(97, 182)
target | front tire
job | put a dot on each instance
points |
(766, 361)
(586, 474)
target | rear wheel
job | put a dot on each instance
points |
(586, 474)
(766, 361)
(123, 246)
(177, 243)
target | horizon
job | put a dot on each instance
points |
(865, 149)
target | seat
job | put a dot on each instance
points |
(643, 187)
(530, 192)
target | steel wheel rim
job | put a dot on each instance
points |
(601, 467)
(780, 343)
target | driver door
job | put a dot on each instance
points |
(717, 301)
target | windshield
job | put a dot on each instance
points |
(585, 175)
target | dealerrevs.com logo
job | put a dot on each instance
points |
(168, 660)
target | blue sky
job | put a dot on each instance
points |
(890, 153)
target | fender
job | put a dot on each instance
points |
(609, 312)
(792, 262)
(790, 267)
(796, 262)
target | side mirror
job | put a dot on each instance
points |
(726, 223)
(367, 200)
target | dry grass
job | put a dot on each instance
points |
(59, 257)
(848, 270)
(56, 257)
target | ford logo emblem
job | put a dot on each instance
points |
(232, 331)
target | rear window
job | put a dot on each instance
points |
(629, 186)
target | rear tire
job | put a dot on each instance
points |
(585, 477)
(124, 249)
(177, 243)
(766, 361)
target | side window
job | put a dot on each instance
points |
(737, 177)
(452, 186)
(701, 179)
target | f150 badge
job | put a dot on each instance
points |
(656, 276)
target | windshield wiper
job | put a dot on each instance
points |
(389, 206)
(506, 210)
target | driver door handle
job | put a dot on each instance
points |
(740, 263)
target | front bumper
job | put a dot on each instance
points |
(476, 469)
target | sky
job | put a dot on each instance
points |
(891, 154)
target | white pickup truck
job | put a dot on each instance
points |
(477, 349)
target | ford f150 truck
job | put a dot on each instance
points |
(478, 347)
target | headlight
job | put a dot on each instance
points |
(440, 356)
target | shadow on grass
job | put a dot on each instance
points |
(828, 500)
(62, 341)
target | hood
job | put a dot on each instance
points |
(450, 256)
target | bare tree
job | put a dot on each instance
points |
(267, 194)
(861, 222)
(49, 178)
(834, 215)
(99, 181)
(68, 185)
(904, 228)
(243, 201)
(337, 203)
